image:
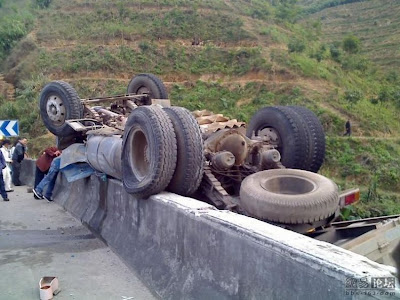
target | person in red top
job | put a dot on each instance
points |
(43, 163)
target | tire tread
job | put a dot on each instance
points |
(189, 171)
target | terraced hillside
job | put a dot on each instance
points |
(230, 56)
(375, 22)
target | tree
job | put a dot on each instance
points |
(351, 44)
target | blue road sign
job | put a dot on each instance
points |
(9, 128)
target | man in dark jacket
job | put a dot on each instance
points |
(2, 187)
(17, 158)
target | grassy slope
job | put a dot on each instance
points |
(375, 22)
(242, 65)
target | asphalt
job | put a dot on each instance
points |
(39, 239)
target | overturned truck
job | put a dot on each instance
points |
(265, 169)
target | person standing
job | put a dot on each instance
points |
(43, 163)
(2, 187)
(348, 128)
(17, 158)
(7, 170)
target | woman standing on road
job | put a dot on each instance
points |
(7, 170)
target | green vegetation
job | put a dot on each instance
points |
(106, 24)
(43, 3)
(372, 163)
(231, 57)
(374, 22)
(150, 58)
(15, 22)
(316, 6)
(351, 44)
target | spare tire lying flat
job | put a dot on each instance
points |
(148, 84)
(316, 138)
(189, 167)
(59, 102)
(289, 131)
(289, 196)
(149, 151)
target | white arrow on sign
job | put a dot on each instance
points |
(10, 129)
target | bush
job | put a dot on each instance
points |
(351, 44)
(353, 96)
(393, 76)
(296, 45)
(356, 62)
(11, 30)
(336, 53)
(386, 94)
(43, 3)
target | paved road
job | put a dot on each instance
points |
(39, 239)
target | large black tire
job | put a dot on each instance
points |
(59, 102)
(291, 130)
(148, 84)
(289, 196)
(316, 138)
(189, 167)
(149, 151)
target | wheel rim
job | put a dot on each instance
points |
(55, 110)
(140, 155)
(288, 185)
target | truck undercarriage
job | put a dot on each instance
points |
(265, 169)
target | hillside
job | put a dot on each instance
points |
(375, 22)
(229, 56)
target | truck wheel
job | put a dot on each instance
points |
(148, 151)
(316, 138)
(148, 84)
(59, 102)
(289, 196)
(189, 167)
(287, 130)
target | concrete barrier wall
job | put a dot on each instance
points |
(27, 175)
(185, 249)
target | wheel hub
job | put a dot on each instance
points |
(55, 110)
(143, 90)
(271, 135)
(288, 184)
(140, 154)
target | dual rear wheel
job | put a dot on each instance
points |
(296, 132)
(162, 149)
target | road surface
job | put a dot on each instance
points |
(39, 239)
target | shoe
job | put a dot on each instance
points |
(6, 199)
(37, 195)
(10, 191)
(49, 199)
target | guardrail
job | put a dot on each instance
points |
(186, 249)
